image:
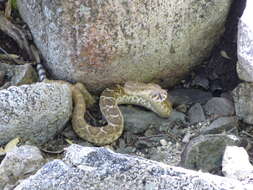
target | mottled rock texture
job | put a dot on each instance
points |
(17, 74)
(103, 42)
(34, 112)
(19, 163)
(99, 168)
(243, 95)
(205, 151)
(245, 44)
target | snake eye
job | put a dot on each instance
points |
(158, 97)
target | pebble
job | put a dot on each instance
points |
(163, 142)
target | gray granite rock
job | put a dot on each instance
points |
(99, 168)
(219, 106)
(222, 124)
(101, 43)
(196, 113)
(245, 44)
(243, 96)
(34, 112)
(19, 163)
(205, 151)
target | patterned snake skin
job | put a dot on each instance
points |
(150, 96)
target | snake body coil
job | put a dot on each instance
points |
(150, 96)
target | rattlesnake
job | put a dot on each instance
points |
(150, 96)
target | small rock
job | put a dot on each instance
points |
(99, 168)
(187, 137)
(177, 116)
(205, 151)
(220, 125)
(163, 142)
(189, 96)
(196, 114)
(181, 108)
(150, 132)
(34, 112)
(243, 96)
(137, 120)
(236, 165)
(19, 163)
(218, 106)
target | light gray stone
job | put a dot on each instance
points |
(245, 44)
(19, 163)
(236, 165)
(34, 112)
(101, 43)
(98, 168)
(243, 96)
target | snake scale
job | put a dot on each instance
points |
(150, 96)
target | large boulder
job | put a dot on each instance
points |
(104, 42)
(98, 168)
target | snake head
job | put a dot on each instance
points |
(148, 90)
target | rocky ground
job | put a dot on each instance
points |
(202, 124)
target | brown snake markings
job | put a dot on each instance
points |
(149, 95)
